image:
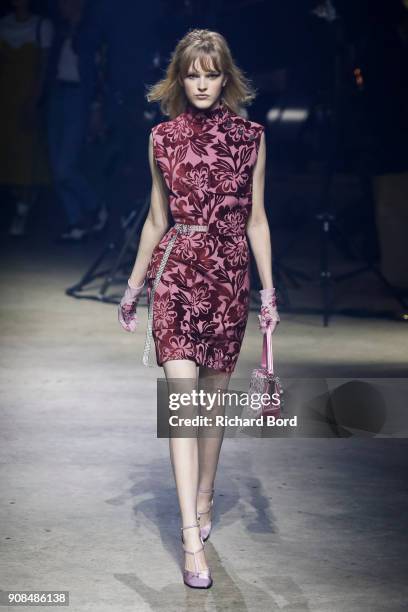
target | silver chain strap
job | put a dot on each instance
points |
(182, 228)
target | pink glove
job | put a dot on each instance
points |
(127, 308)
(269, 316)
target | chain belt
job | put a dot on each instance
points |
(182, 228)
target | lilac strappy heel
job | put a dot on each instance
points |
(206, 530)
(200, 579)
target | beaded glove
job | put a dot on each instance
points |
(127, 308)
(269, 316)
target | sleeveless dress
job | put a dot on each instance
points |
(201, 301)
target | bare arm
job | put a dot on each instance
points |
(257, 226)
(156, 224)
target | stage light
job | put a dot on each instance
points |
(287, 114)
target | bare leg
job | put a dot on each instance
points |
(184, 460)
(209, 440)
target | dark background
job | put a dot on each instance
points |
(355, 131)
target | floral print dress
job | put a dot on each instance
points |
(201, 302)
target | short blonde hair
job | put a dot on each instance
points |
(206, 46)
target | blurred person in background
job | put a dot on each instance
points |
(128, 34)
(67, 130)
(384, 51)
(25, 39)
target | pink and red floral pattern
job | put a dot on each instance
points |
(201, 303)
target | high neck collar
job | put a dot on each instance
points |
(215, 115)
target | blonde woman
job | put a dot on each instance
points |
(207, 164)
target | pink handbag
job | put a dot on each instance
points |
(263, 380)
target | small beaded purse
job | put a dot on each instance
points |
(263, 380)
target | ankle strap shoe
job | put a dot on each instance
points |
(200, 579)
(206, 530)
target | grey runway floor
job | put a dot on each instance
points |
(88, 503)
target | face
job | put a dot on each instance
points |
(203, 88)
